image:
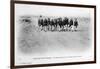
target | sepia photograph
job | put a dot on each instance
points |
(53, 34)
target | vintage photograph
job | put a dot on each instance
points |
(47, 34)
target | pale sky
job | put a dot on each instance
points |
(26, 9)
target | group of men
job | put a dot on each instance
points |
(57, 24)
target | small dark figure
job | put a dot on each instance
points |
(76, 24)
(70, 23)
(48, 24)
(45, 25)
(39, 22)
(65, 21)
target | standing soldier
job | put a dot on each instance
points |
(45, 24)
(55, 24)
(48, 24)
(39, 22)
(70, 24)
(58, 26)
(52, 25)
(42, 26)
(75, 24)
(60, 23)
(66, 23)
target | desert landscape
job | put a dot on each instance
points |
(33, 41)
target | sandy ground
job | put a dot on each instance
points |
(33, 41)
(39, 43)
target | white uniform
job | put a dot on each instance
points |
(72, 28)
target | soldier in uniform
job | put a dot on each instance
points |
(48, 24)
(76, 24)
(52, 25)
(45, 24)
(66, 23)
(70, 24)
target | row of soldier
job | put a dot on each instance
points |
(58, 24)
